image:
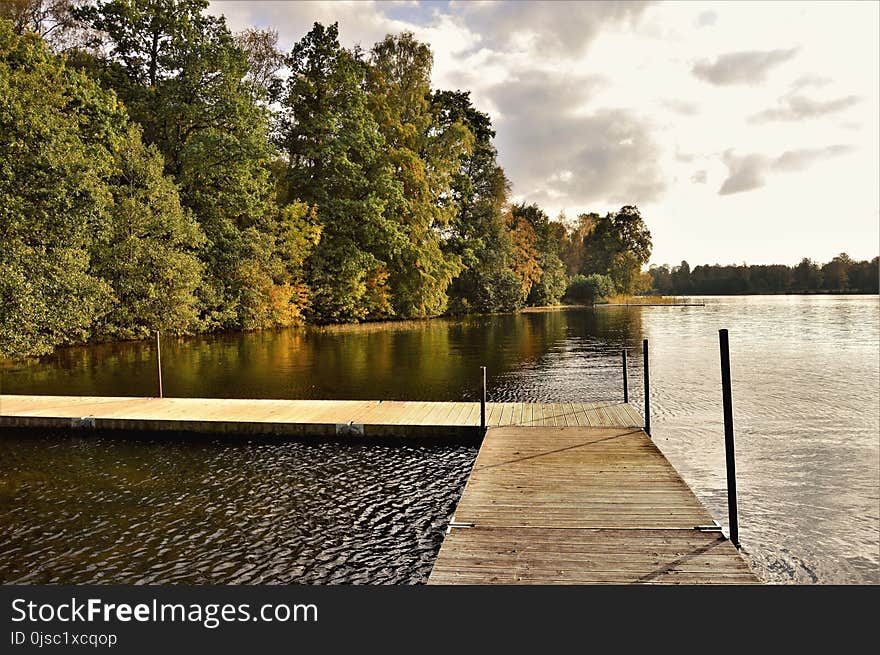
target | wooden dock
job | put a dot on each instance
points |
(300, 418)
(581, 505)
(560, 493)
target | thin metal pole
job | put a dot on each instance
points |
(728, 438)
(159, 362)
(483, 398)
(647, 388)
(625, 381)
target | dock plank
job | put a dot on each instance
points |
(473, 415)
(493, 413)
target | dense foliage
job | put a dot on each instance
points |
(590, 288)
(840, 275)
(158, 172)
(95, 240)
(618, 244)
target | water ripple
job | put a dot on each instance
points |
(212, 513)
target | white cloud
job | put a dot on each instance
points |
(610, 152)
(808, 80)
(798, 108)
(797, 160)
(741, 67)
(546, 27)
(746, 172)
(749, 172)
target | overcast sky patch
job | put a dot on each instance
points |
(707, 18)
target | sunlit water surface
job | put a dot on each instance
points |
(806, 374)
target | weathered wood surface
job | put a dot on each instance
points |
(300, 417)
(581, 505)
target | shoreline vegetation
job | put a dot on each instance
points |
(162, 174)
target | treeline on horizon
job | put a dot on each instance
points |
(841, 275)
(158, 172)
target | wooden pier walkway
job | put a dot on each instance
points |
(581, 505)
(308, 418)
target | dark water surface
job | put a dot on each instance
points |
(84, 510)
(806, 379)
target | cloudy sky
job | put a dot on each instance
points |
(744, 132)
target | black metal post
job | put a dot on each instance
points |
(483, 398)
(728, 438)
(647, 388)
(625, 381)
(159, 362)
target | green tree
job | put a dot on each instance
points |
(835, 274)
(53, 20)
(626, 271)
(807, 275)
(335, 162)
(572, 251)
(681, 277)
(550, 237)
(423, 154)
(478, 232)
(52, 197)
(661, 279)
(74, 178)
(550, 288)
(619, 244)
(184, 79)
(147, 253)
(863, 276)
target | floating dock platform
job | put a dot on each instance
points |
(300, 418)
(560, 493)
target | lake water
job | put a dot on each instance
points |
(806, 392)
